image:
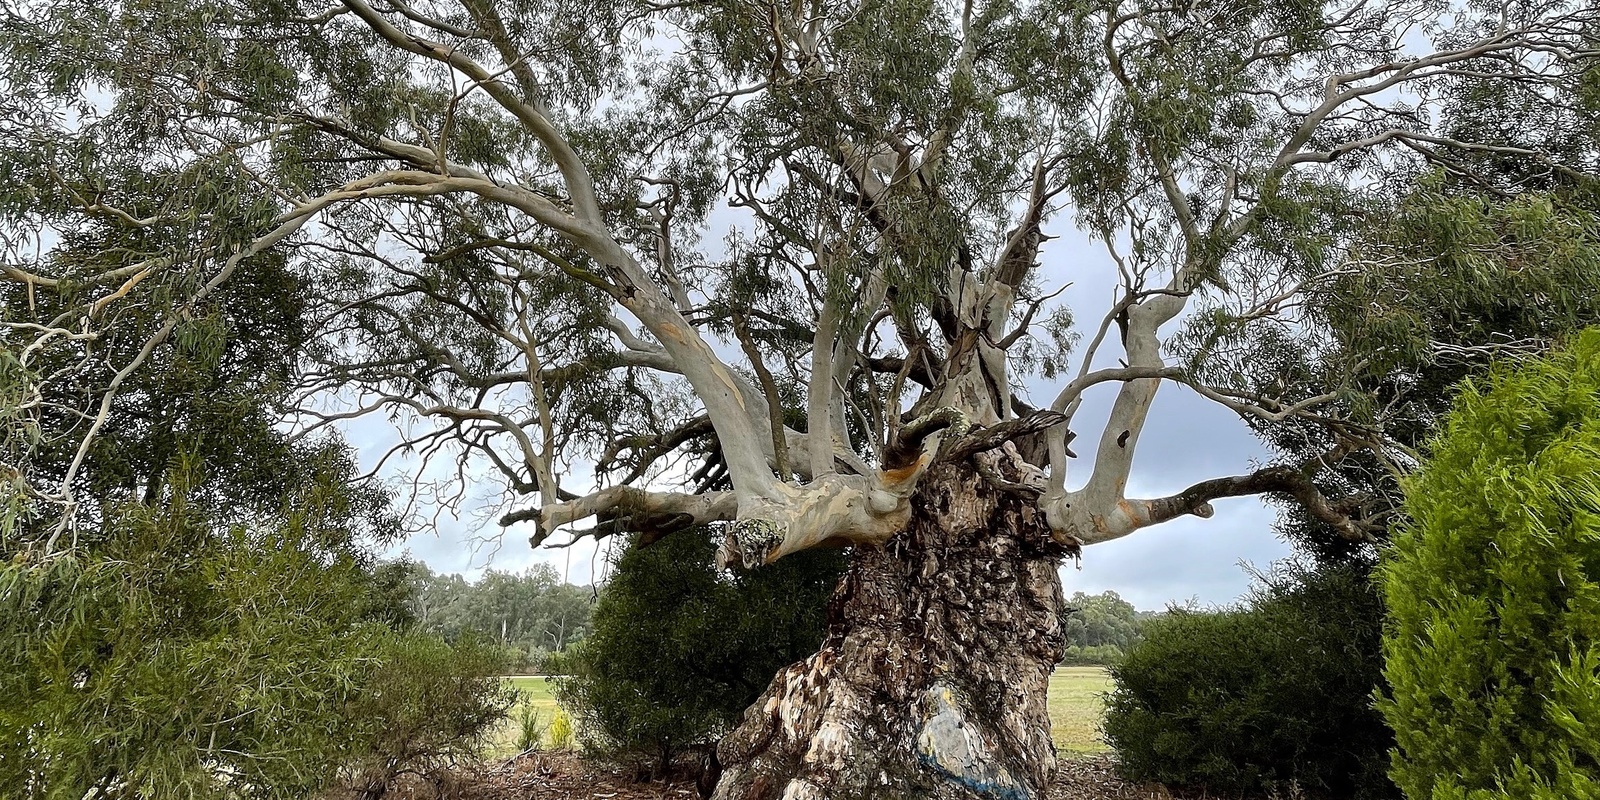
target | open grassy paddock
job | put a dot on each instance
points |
(535, 692)
(1076, 707)
(1077, 704)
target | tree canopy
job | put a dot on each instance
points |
(623, 265)
(512, 216)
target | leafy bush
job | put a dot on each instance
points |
(174, 661)
(559, 662)
(213, 626)
(427, 706)
(1493, 590)
(679, 649)
(1259, 697)
(179, 657)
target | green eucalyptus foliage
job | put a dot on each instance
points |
(1416, 281)
(207, 624)
(1099, 628)
(1493, 591)
(1447, 270)
(1165, 129)
(679, 649)
(1469, 268)
(184, 656)
(1272, 693)
(1450, 278)
(179, 660)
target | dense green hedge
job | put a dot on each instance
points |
(1261, 696)
(679, 649)
(1493, 649)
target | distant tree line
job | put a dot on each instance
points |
(1100, 628)
(531, 614)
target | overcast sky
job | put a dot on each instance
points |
(1187, 439)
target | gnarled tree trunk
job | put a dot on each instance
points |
(931, 682)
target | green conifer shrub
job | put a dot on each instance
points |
(1260, 697)
(679, 649)
(1493, 592)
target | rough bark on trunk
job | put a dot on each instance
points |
(931, 682)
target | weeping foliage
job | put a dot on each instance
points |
(172, 655)
(1448, 278)
(206, 623)
(1493, 591)
(1458, 268)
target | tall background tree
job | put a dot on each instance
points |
(204, 618)
(532, 613)
(504, 209)
(1100, 628)
(1498, 262)
(213, 624)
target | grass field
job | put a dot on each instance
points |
(536, 694)
(1076, 707)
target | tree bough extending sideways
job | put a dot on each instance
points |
(503, 208)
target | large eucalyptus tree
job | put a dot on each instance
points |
(774, 266)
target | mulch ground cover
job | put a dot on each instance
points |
(563, 776)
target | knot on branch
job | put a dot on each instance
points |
(627, 509)
(749, 543)
(994, 465)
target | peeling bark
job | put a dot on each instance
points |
(932, 680)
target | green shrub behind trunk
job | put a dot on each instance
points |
(679, 649)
